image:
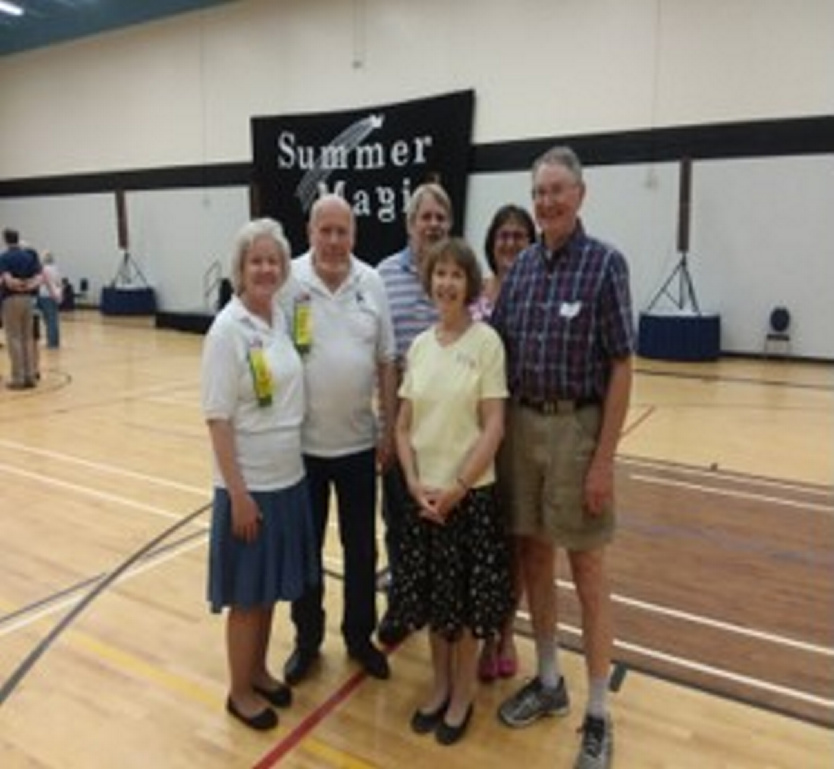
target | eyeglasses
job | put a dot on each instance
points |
(512, 235)
(554, 192)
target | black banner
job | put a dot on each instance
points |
(374, 157)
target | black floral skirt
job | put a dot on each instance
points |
(455, 576)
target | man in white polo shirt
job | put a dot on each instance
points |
(342, 327)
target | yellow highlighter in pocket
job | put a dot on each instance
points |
(262, 379)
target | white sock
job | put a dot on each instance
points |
(548, 662)
(598, 697)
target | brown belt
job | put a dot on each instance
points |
(558, 406)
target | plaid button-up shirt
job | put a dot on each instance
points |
(564, 316)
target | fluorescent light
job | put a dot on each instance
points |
(10, 8)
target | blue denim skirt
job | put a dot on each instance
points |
(278, 566)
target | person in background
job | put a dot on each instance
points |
(511, 230)
(428, 220)
(509, 233)
(262, 545)
(20, 276)
(455, 562)
(349, 354)
(565, 316)
(50, 295)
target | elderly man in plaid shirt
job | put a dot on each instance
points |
(565, 316)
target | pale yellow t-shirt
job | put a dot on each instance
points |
(445, 386)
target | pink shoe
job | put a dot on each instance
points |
(488, 666)
(507, 667)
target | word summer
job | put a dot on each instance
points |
(384, 203)
(346, 156)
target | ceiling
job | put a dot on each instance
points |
(47, 22)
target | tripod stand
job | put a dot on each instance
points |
(129, 273)
(685, 294)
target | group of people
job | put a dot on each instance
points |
(492, 411)
(29, 282)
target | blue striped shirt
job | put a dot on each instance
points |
(412, 311)
(564, 317)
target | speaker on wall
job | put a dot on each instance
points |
(121, 220)
(684, 205)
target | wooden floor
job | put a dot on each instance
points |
(722, 576)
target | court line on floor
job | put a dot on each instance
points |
(725, 475)
(700, 667)
(735, 379)
(654, 608)
(749, 495)
(632, 425)
(715, 672)
(57, 602)
(700, 619)
(101, 467)
(22, 670)
(309, 722)
(122, 397)
(86, 491)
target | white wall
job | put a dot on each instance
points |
(175, 236)
(760, 236)
(182, 92)
(177, 250)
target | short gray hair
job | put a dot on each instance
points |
(560, 156)
(429, 189)
(246, 237)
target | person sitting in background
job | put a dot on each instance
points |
(455, 562)
(262, 545)
(67, 295)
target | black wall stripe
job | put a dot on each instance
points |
(176, 177)
(765, 138)
(801, 136)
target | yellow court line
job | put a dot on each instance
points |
(141, 668)
(333, 756)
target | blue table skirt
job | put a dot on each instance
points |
(679, 337)
(128, 301)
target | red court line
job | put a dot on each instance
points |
(313, 719)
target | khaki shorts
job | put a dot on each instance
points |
(541, 477)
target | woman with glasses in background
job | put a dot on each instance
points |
(510, 232)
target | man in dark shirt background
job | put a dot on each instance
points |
(20, 275)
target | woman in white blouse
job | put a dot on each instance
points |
(262, 544)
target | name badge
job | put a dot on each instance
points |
(570, 309)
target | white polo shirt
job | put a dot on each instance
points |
(267, 438)
(351, 335)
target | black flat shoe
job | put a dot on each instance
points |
(372, 660)
(280, 697)
(423, 723)
(449, 735)
(298, 664)
(261, 722)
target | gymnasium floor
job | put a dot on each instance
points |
(108, 656)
